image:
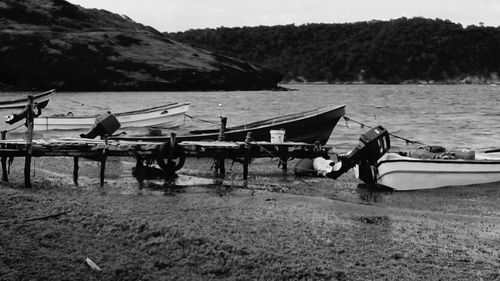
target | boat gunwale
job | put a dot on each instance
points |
(35, 97)
(441, 161)
(125, 113)
(152, 109)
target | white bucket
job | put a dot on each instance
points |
(277, 136)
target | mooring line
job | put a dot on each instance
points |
(202, 120)
(408, 141)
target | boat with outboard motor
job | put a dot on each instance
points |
(424, 168)
(167, 116)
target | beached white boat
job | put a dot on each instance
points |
(406, 173)
(165, 116)
(41, 99)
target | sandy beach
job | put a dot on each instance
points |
(278, 227)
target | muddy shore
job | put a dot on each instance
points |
(278, 227)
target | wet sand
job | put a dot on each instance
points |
(276, 228)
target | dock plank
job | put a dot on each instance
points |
(213, 144)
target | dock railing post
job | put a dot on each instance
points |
(222, 130)
(29, 140)
(5, 178)
(220, 168)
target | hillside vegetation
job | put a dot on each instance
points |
(54, 44)
(396, 51)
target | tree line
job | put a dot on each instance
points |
(395, 51)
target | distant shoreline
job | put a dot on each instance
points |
(282, 86)
(448, 82)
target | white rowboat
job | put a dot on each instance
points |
(165, 116)
(405, 173)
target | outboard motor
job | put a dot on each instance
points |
(371, 146)
(105, 124)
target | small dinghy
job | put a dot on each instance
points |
(423, 169)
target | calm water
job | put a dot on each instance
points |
(462, 116)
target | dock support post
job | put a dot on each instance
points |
(246, 158)
(283, 156)
(29, 140)
(170, 175)
(103, 168)
(103, 160)
(139, 167)
(5, 178)
(245, 167)
(75, 170)
(170, 163)
(284, 164)
(220, 168)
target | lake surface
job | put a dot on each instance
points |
(454, 116)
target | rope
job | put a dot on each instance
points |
(82, 104)
(408, 141)
(202, 120)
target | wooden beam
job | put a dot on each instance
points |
(246, 158)
(220, 167)
(283, 152)
(139, 170)
(75, 170)
(103, 168)
(29, 140)
(5, 177)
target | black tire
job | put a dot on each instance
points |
(177, 153)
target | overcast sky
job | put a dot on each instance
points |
(181, 15)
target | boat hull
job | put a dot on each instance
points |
(42, 100)
(309, 127)
(168, 116)
(404, 173)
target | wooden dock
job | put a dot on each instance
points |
(97, 150)
(169, 157)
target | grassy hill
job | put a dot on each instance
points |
(54, 44)
(403, 50)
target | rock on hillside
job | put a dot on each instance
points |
(54, 44)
